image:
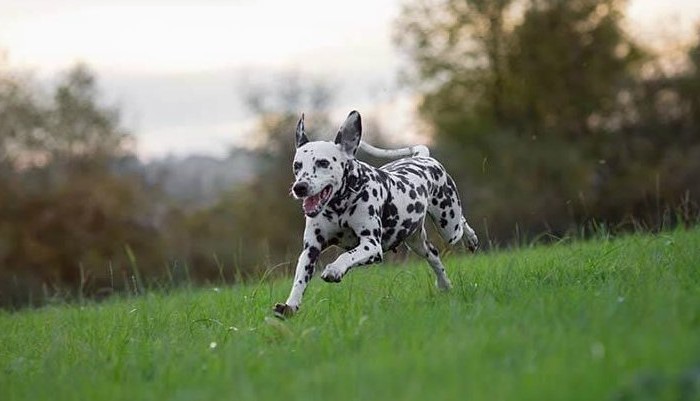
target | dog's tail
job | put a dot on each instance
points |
(415, 151)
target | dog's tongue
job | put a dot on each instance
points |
(311, 203)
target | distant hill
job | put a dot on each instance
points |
(198, 181)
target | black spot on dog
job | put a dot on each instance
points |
(401, 235)
(447, 202)
(419, 207)
(400, 186)
(313, 252)
(365, 233)
(364, 195)
(389, 215)
(374, 192)
(432, 250)
(413, 171)
(435, 172)
(410, 208)
(366, 248)
(386, 235)
(370, 210)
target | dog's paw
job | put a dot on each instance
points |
(332, 274)
(443, 284)
(472, 241)
(284, 311)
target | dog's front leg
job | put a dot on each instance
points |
(367, 252)
(304, 272)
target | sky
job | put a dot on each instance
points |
(178, 69)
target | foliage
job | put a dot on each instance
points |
(70, 125)
(604, 320)
(67, 210)
(258, 225)
(547, 114)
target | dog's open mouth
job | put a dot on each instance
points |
(313, 204)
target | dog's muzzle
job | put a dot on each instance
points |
(300, 189)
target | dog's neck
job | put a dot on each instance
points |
(354, 177)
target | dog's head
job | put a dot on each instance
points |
(319, 166)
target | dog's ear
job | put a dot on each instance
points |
(350, 133)
(301, 138)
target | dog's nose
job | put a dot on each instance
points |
(301, 189)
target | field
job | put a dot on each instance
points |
(608, 319)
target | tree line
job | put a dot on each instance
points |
(552, 116)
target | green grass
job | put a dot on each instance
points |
(599, 320)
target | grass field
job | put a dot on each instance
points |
(599, 320)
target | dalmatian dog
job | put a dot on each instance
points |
(368, 211)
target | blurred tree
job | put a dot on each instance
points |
(70, 126)
(68, 209)
(459, 52)
(535, 67)
(537, 106)
(568, 63)
(258, 224)
(692, 85)
(19, 115)
(651, 148)
(79, 126)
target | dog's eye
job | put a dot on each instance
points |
(323, 163)
(297, 166)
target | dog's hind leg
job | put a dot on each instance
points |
(470, 236)
(418, 242)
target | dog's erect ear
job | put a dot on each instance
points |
(350, 133)
(301, 138)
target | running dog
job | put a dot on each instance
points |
(366, 210)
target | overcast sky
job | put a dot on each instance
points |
(176, 67)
